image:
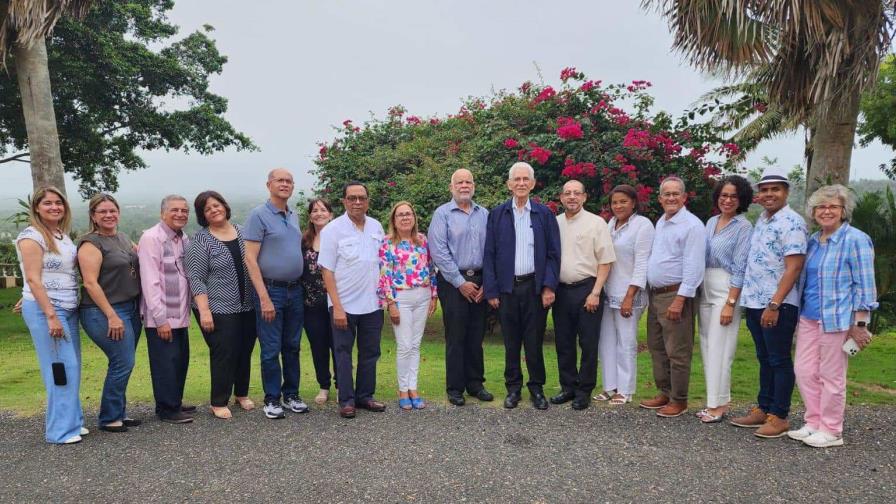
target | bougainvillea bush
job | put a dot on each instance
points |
(600, 134)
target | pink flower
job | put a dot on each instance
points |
(413, 120)
(435, 121)
(525, 87)
(644, 193)
(601, 105)
(553, 206)
(391, 183)
(568, 73)
(711, 170)
(545, 94)
(323, 151)
(347, 124)
(511, 143)
(397, 111)
(540, 154)
(569, 129)
(729, 149)
(760, 107)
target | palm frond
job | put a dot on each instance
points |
(25, 21)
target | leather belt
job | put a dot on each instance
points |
(666, 289)
(281, 283)
(472, 273)
(523, 278)
(577, 284)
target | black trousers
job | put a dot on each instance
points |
(522, 325)
(464, 330)
(168, 362)
(367, 328)
(574, 324)
(320, 338)
(230, 348)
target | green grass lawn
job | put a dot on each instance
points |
(872, 374)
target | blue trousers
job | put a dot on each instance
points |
(168, 363)
(64, 415)
(279, 339)
(367, 329)
(773, 347)
(120, 354)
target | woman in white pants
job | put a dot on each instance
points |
(626, 299)
(727, 245)
(408, 288)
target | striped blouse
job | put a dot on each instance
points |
(212, 272)
(728, 249)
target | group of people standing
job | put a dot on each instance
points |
(267, 280)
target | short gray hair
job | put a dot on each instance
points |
(828, 192)
(170, 198)
(521, 164)
(673, 178)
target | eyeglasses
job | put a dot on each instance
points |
(828, 208)
(670, 195)
(571, 193)
(728, 196)
(356, 199)
(286, 181)
(404, 214)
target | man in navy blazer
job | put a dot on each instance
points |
(520, 272)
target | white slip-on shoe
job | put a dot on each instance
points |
(801, 433)
(823, 440)
(72, 440)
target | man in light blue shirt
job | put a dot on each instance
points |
(456, 244)
(674, 271)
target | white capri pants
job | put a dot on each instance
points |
(717, 342)
(413, 309)
(618, 350)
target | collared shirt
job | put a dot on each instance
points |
(163, 277)
(353, 257)
(280, 255)
(632, 242)
(59, 274)
(773, 238)
(404, 265)
(585, 243)
(524, 254)
(457, 240)
(845, 276)
(728, 248)
(678, 254)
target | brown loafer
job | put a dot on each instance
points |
(373, 405)
(774, 427)
(754, 419)
(347, 411)
(673, 409)
(656, 403)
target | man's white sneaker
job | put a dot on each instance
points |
(296, 404)
(823, 440)
(801, 433)
(273, 409)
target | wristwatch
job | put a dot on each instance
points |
(773, 306)
(731, 302)
(861, 323)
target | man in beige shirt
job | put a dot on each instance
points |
(586, 255)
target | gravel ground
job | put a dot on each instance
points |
(447, 454)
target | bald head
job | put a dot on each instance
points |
(462, 186)
(280, 184)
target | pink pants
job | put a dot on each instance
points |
(820, 368)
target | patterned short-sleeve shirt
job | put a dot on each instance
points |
(773, 239)
(58, 275)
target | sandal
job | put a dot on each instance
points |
(619, 399)
(405, 403)
(322, 396)
(603, 396)
(710, 418)
(417, 402)
(222, 412)
(245, 403)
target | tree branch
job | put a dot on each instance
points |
(18, 157)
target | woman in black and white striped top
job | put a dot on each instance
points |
(222, 299)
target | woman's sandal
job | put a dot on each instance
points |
(706, 417)
(245, 403)
(418, 403)
(620, 399)
(405, 403)
(603, 396)
(222, 412)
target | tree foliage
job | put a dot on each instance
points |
(879, 112)
(121, 84)
(601, 135)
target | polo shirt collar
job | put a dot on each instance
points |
(766, 218)
(270, 206)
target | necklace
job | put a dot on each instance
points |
(58, 235)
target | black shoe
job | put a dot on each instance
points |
(580, 403)
(178, 418)
(456, 399)
(483, 395)
(187, 408)
(512, 400)
(114, 428)
(539, 401)
(131, 422)
(563, 397)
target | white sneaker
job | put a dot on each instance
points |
(84, 431)
(802, 433)
(72, 440)
(823, 440)
(273, 409)
(296, 404)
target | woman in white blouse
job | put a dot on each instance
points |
(626, 298)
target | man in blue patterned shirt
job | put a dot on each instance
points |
(771, 298)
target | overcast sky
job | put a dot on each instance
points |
(297, 68)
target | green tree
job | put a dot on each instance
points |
(122, 83)
(879, 112)
(812, 59)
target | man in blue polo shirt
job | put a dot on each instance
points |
(274, 261)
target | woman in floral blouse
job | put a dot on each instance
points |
(408, 288)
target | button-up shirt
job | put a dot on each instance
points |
(352, 255)
(632, 242)
(163, 277)
(457, 240)
(585, 243)
(280, 255)
(524, 254)
(678, 254)
(728, 248)
(773, 238)
(845, 276)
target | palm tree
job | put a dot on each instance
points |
(811, 58)
(24, 24)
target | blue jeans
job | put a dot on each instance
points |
(280, 339)
(64, 416)
(120, 354)
(773, 346)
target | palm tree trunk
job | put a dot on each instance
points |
(832, 140)
(40, 118)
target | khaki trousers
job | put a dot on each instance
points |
(671, 345)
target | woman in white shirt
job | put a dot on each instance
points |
(626, 297)
(48, 258)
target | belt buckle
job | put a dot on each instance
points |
(470, 272)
